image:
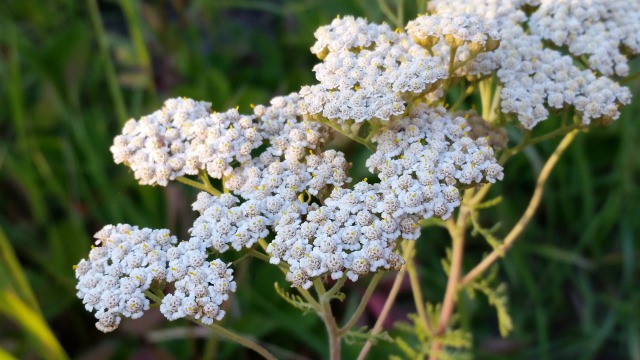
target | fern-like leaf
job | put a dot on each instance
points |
(362, 335)
(293, 299)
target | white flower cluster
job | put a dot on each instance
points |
(424, 158)
(270, 187)
(465, 34)
(354, 232)
(420, 161)
(200, 286)
(222, 222)
(533, 76)
(118, 272)
(598, 29)
(457, 29)
(129, 261)
(368, 72)
(271, 183)
(184, 138)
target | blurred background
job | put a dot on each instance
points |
(72, 72)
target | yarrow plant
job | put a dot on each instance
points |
(282, 196)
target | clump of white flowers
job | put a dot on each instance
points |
(184, 137)
(288, 199)
(601, 30)
(123, 265)
(128, 263)
(354, 233)
(425, 158)
(368, 72)
(200, 285)
(535, 77)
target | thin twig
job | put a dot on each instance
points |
(395, 288)
(526, 217)
(329, 320)
(207, 184)
(417, 294)
(363, 304)
(193, 183)
(457, 232)
(336, 287)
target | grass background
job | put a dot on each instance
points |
(71, 73)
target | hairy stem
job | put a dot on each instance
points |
(329, 320)
(395, 288)
(417, 293)
(528, 214)
(457, 233)
(363, 304)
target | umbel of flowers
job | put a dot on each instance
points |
(289, 199)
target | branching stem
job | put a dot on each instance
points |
(528, 214)
(457, 233)
(329, 320)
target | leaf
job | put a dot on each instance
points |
(497, 297)
(293, 299)
(487, 234)
(340, 296)
(418, 341)
(362, 335)
(15, 308)
(489, 203)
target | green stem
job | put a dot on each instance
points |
(451, 69)
(400, 17)
(12, 265)
(207, 184)
(336, 287)
(112, 80)
(258, 255)
(241, 340)
(393, 293)
(263, 244)
(417, 294)
(363, 304)
(192, 183)
(485, 96)
(531, 141)
(337, 128)
(461, 99)
(153, 296)
(329, 321)
(495, 102)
